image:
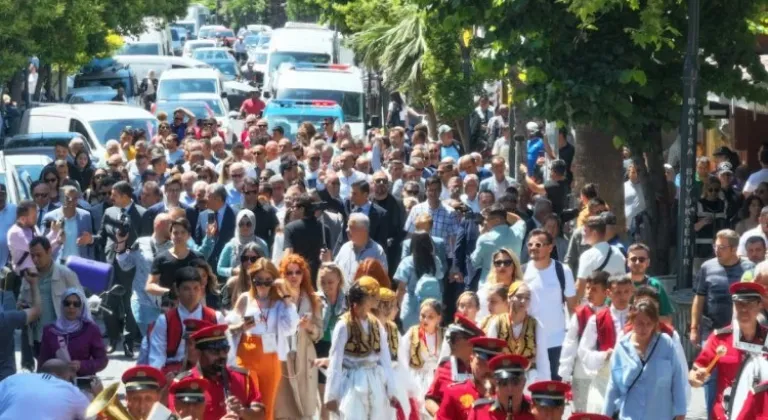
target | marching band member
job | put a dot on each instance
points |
(721, 347)
(459, 397)
(191, 326)
(571, 368)
(548, 399)
(456, 367)
(361, 382)
(231, 393)
(509, 401)
(187, 397)
(755, 406)
(600, 337)
(143, 387)
(523, 333)
(420, 348)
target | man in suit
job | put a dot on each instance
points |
(78, 227)
(223, 217)
(123, 215)
(359, 203)
(266, 215)
(498, 183)
(103, 201)
(172, 198)
(41, 193)
(395, 217)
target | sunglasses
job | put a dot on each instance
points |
(261, 125)
(244, 259)
(74, 304)
(638, 259)
(381, 181)
(293, 273)
(51, 180)
(246, 223)
(503, 263)
(40, 195)
(262, 282)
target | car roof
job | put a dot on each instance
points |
(94, 111)
(201, 41)
(182, 97)
(88, 89)
(156, 59)
(190, 74)
(48, 135)
(28, 157)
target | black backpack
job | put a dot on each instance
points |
(560, 276)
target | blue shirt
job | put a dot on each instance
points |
(70, 238)
(712, 283)
(349, 258)
(234, 198)
(364, 209)
(535, 149)
(658, 393)
(180, 130)
(406, 273)
(501, 236)
(450, 151)
(7, 219)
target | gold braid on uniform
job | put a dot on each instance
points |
(417, 345)
(525, 345)
(393, 338)
(360, 344)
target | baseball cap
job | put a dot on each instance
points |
(443, 129)
(724, 167)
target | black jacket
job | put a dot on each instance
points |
(395, 217)
(378, 230)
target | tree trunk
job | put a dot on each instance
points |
(277, 17)
(648, 156)
(432, 120)
(598, 161)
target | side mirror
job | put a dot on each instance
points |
(224, 95)
(266, 95)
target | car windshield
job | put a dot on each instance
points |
(228, 69)
(202, 108)
(291, 122)
(224, 33)
(202, 55)
(258, 58)
(350, 102)
(110, 129)
(112, 82)
(88, 97)
(203, 33)
(279, 58)
(170, 87)
(190, 27)
(140, 49)
(196, 45)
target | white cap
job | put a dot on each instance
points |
(532, 127)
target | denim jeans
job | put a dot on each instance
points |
(144, 315)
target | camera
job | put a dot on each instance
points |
(122, 228)
(84, 382)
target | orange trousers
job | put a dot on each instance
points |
(264, 369)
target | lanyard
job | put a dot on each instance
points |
(264, 316)
(423, 338)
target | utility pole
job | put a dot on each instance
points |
(688, 133)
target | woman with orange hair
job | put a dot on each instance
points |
(263, 320)
(373, 267)
(297, 395)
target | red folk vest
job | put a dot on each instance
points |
(583, 313)
(606, 333)
(174, 328)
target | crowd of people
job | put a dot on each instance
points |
(397, 277)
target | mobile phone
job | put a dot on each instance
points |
(83, 382)
(249, 319)
(211, 218)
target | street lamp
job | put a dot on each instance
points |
(466, 41)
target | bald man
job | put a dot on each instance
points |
(44, 395)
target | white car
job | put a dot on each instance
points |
(178, 81)
(142, 64)
(191, 46)
(205, 54)
(97, 122)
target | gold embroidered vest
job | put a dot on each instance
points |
(359, 343)
(525, 345)
(416, 361)
(393, 338)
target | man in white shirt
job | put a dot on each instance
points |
(600, 337)
(48, 395)
(634, 201)
(600, 257)
(348, 175)
(761, 231)
(551, 285)
(760, 176)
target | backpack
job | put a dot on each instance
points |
(428, 287)
(560, 272)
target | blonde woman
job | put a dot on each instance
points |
(420, 350)
(505, 269)
(523, 333)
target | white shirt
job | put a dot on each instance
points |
(345, 188)
(634, 201)
(547, 300)
(594, 257)
(570, 364)
(40, 397)
(473, 205)
(756, 231)
(755, 179)
(592, 358)
(158, 341)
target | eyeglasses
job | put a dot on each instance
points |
(51, 180)
(246, 223)
(262, 125)
(74, 304)
(41, 195)
(638, 259)
(720, 247)
(293, 273)
(252, 259)
(502, 263)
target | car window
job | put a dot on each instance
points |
(110, 129)
(76, 126)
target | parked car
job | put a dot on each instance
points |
(89, 95)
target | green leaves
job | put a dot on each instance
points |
(635, 75)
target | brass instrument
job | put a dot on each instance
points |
(510, 408)
(107, 405)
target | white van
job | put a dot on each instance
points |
(178, 81)
(340, 83)
(142, 64)
(295, 46)
(97, 122)
(156, 40)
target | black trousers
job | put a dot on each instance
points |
(451, 293)
(29, 351)
(122, 316)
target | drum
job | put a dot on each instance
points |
(756, 404)
(754, 370)
(93, 275)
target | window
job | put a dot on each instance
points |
(76, 126)
(350, 102)
(170, 87)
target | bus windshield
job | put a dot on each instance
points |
(350, 102)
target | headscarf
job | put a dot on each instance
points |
(239, 241)
(64, 326)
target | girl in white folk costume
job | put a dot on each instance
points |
(420, 350)
(600, 337)
(361, 382)
(387, 312)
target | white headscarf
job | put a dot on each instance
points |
(239, 241)
(64, 326)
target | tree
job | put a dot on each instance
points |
(614, 68)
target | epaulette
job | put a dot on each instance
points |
(761, 387)
(183, 374)
(238, 369)
(481, 402)
(725, 330)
